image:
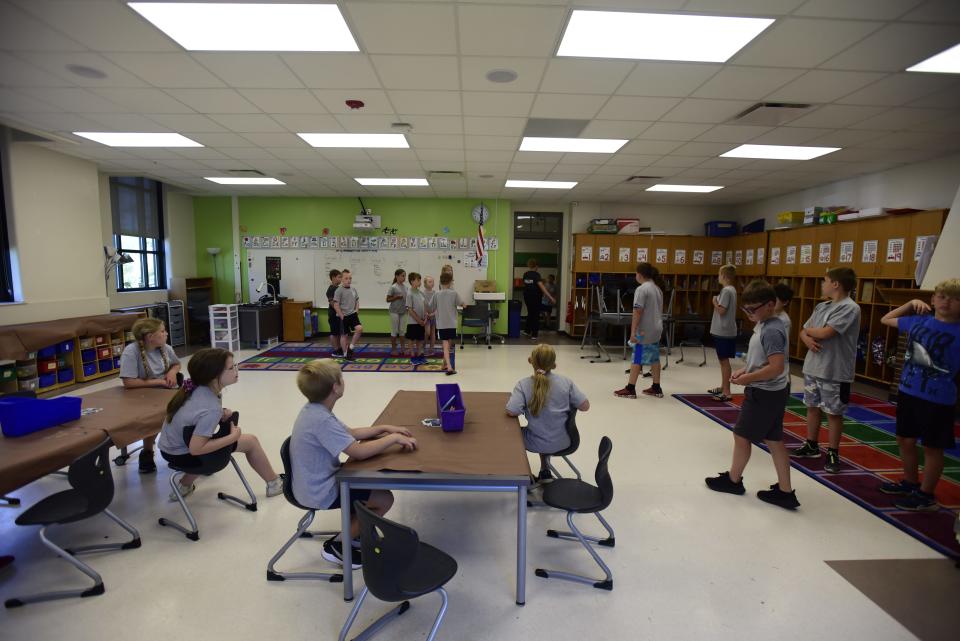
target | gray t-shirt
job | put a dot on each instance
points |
(649, 298)
(316, 443)
(725, 325)
(447, 301)
(769, 338)
(430, 300)
(547, 432)
(203, 409)
(838, 355)
(347, 298)
(398, 306)
(417, 304)
(131, 365)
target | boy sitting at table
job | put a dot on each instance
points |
(316, 443)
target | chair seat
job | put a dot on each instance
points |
(431, 569)
(473, 323)
(63, 507)
(572, 495)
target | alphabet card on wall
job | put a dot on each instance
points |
(314, 242)
(716, 257)
(284, 242)
(494, 243)
(294, 242)
(274, 242)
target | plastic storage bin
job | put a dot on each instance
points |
(65, 347)
(45, 367)
(47, 352)
(100, 340)
(720, 228)
(89, 369)
(116, 362)
(86, 343)
(88, 355)
(756, 226)
(22, 416)
(8, 373)
(26, 369)
(104, 352)
(64, 360)
(451, 418)
(65, 375)
(106, 365)
(28, 384)
(47, 380)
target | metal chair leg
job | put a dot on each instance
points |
(273, 575)
(377, 625)
(610, 541)
(125, 455)
(194, 533)
(443, 610)
(61, 594)
(9, 501)
(601, 584)
(132, 544)
(252, 505)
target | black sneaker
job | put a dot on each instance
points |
(918, 501)
(776, 496)
(545, 476)
(722, 483)
(333, 551)
(147, 466)
(903, 488)
(337, 354)
(350, 356)
(653, 390)
(833, 461)
(807, 450)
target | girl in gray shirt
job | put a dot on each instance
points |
(545, 400)
(198, 404)
(397, 297)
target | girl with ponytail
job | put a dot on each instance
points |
(545, 399)
(149, 362)
(197, 403)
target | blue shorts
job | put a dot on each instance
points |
(646, 353)
(726, 346)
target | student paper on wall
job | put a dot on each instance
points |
(314, 242)
(662, 256)
(274, 242)
(749, 257)
(623, 255)
(304, 242)
(247, 242)
(494, 243)
(920, 245)
(255, 242)
(895, 250)
(760, 255)
(823, 256)
(846, 251)
(394, 242)
(443, 242)
(586, 253)
(680, 257)
(424, 242)
(729, 256)
(434, 242)
(354, 242)
(321, 242)
(774, 255)
(738, 257)
(806, 254)
(364, 242)
(869, 252)
(716, 257)
(603, 254)
(643, 255)
(791, 254)
(404, 242)
(698, 256)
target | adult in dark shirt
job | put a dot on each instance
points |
(533, 291)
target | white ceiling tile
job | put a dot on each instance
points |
(187, 123)
(59, 122)
(308, 123)
(650, 147)
(948, 123)
(56, 63)
(418, 72)
(844, 138)
(436, 141)
(247, 123)
(703, 148)
(361, 123)
(570, 75)
(554, 105)
(331, 70)
(488, 103)
(509, 31)
(375, 101)
(673, 131)
(404, 28)
(899, 118)
(14, 101)
(434, 124)
(703, 110)
(249, 154)
(733, 133)
(632, 160)
(482, 155)
(284, 101)
(290, 153)
(250, 70)
(438, 103)
(428, 155)
(819, 86)
(678, 79)
(502, 143)
(222, 140)
(789, 135)
(900, 88)
(945, 99)
(762, 7)
(745, 83)
(677, 162)
(473, 73)
(726, 164)
(621, 129)
(73, 99)
(394, 155)
(875, 9)
(836, 116)
(175, 70)
(903, 140)
(125, 122)
(143, 100)
(584, 159)
(636, 108)
(935, 11)
(536, 158)
(21, 31)
(697, 173)
(223, 101)
(17, 73)
(803, 42)
(896, 47)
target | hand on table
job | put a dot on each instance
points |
(406, 443)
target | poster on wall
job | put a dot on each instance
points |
(680, 257)
(404, 242)
(443, 242)
(285, 242)
(623, 255)
(322, 242)
(895, 250)
(749, 257)
(846, 251)
(304, 242)
(920, 245)
(643, 255)
(869, 252)
(716, 257)
(806, 254)
(314, 242)
(698, 256)
(586, 254)
(294, 242)
(494, 243)
(823, 255)
(603, 254)
(394, 242)
(662, 256)
(791, 254)
(274, 242)
(729, 256)
(738, 257)
(760, 255)
(774, 255)
(255, 242)
(247, 242)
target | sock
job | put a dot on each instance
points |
(351, 346)
(631, 387)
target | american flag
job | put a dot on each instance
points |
(480, 251)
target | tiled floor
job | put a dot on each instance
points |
(689, 564)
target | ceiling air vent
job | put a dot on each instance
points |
(637, 180)
(771, 114)
(446, 175)
(245, 172)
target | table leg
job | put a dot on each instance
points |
(346, 541)
(521, 544)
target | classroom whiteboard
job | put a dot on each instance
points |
(304, 273)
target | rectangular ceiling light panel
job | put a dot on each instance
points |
(540, 184)
(944, 62)
(227, 26)
(358, 141)
(657, 36)
(244, 181)
(133, 139)
(696, 189)
(778, 152)
(393, 182)
(572, 145)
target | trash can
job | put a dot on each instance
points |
(514, 308)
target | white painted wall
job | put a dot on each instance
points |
(181, 235)
(945, 263)
(670, 219)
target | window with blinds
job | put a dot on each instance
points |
(6, 273)
(137, 207)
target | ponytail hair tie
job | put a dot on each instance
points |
(189, 385)
(540, 371)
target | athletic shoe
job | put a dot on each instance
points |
(336, 354)
(722, 398)
(275, 486)
(714, 391)
(147, 466)
(806, 451)
(626, 392)
(185, 491)
(654, 390)
(350, 356)
(648, 374)
(903, 488)
(545, 475)
(333, 551)
(776, 496)
(722, 483)
(833, 462)
(918, 501)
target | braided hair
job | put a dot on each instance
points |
(140, 330)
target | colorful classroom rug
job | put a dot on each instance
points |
(287, 357)
(869, 455)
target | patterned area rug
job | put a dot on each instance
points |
(287, 357)
(869, 456)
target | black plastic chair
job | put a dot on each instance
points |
(578, 497)
(206, 465)
(91, 491)
(477, 316)
(301, 533)
(397, 567)
(574, 435)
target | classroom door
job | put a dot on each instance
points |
(539, 236)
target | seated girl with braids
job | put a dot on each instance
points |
(198, 404)
(149, 361)
(545, 399)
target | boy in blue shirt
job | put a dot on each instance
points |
(928, 393)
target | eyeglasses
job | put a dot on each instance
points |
(752, 309)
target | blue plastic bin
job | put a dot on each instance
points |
(88, 355)
(89, 369)
(65, 347)
(720, 228)
(106, 365)
(47, 352)
(20, 416)
(451, 419)
(65, 375)
(48, 380)
(116, 362)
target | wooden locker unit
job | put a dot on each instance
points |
(824, 249)
(585, 258)
(624, 254)
(604, 248)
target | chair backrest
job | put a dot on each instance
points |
(602, 475)
(388, 549)
(601, 299)
(90, 475)
(572, 433)
(479, 311)
(288, 470)
(208, 463)
(668, 310)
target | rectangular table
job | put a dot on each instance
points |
(488, 456)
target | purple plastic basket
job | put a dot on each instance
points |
(21, 416)
(451, 419)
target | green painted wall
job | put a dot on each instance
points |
(213, 227)
(310, 216)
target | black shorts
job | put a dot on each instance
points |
(931, 422)
(449, 334)
(334, 321)
(415, 332)
(726, 346)
(350, 322)
(355, 495)
(761, 415)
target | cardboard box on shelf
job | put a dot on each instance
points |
(790, 217)
(628, 226)
(485, 286)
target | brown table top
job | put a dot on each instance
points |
(490, 443)
(128, 415)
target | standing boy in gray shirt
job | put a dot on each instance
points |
(346, 303)
(764, 401)
(723, 328)
(830, 335)
(446, 301)
(646, 330)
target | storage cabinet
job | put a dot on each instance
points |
(225, 327)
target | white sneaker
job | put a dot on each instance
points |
(275, 486)
(185, 491)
